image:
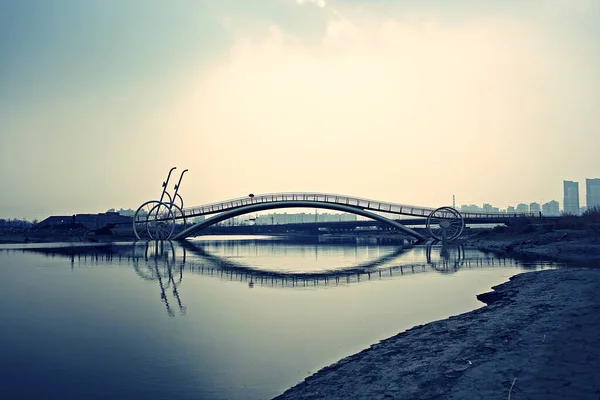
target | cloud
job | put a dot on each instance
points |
(403, 109)
(320, 3)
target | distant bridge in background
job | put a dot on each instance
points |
(335, 226)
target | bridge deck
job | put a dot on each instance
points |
(365, 204)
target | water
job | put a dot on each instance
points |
(216, 319)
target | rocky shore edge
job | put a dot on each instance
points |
(537, 338)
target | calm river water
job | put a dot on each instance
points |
(218, 318)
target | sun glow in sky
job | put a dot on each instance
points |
(401, 101)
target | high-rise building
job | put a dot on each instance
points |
(522, 208)
(534, 207)
(551, 208)
(470, 208)
(571, 197)
(592, 193)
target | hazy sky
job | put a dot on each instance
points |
(405, 101)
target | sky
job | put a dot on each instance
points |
(402, 101)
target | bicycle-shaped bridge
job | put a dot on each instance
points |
(158, 219)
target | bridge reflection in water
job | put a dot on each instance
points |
(165, 262)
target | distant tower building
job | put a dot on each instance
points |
(571, 200)
(551, 208)
(534, 207)
(510, 209)
(522, 208)
(592, 193)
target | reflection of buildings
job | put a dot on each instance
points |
(592, 193)
(571, 197)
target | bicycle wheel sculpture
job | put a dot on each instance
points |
(445, 223)
(140, 219)
(158, 219)
(160, 222)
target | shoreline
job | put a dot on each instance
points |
(536, 338)
(576, 247)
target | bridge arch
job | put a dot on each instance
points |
(293, 204)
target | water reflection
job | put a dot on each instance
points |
(259, 314)
(159, 264)
(164, 262)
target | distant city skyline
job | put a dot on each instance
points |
(407, 102)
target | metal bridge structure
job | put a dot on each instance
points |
(158, 219)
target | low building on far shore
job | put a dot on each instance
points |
(551, 208)
(522, 208)
(535, 207)
(88, 221)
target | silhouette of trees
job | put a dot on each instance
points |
(592, 214)
(14, 225)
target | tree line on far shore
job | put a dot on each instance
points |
(16, 224)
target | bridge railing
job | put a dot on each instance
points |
(318, 197)
(393, 208)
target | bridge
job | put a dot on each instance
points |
(158, 218)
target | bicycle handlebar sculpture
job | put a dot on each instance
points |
(155, 219)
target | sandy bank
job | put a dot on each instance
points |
(581, 247)
(538, 338)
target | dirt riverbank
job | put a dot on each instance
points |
(536, 339)
(581, 247)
